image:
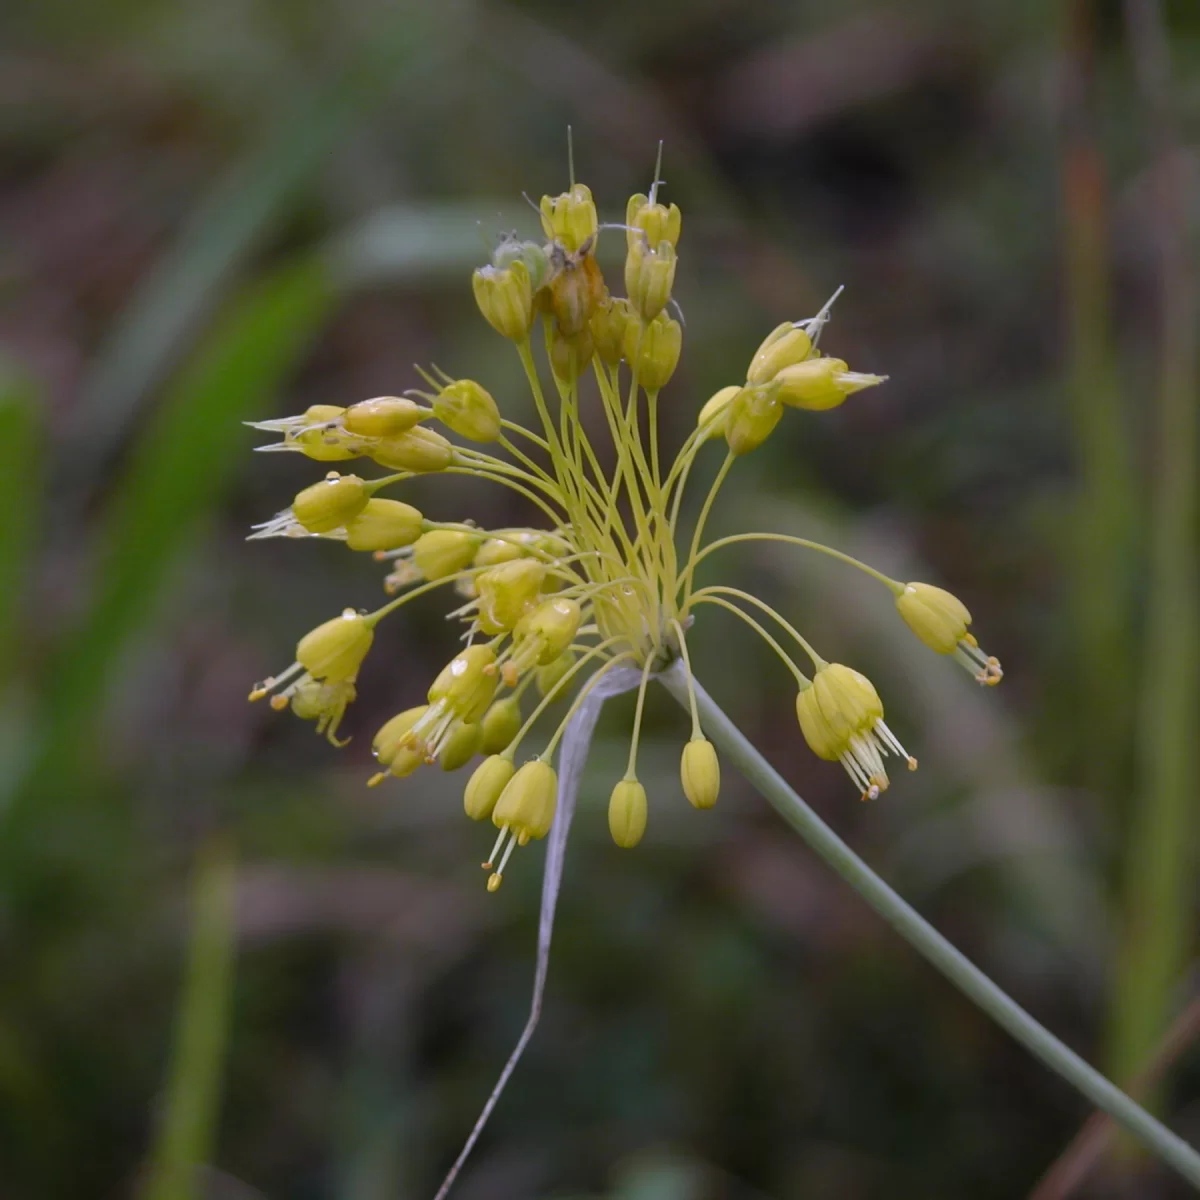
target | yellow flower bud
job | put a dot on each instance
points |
(752, 416)
(553, 673)
(334, 651)
(821, 383)
(485, 785)
(328, 505)
(653, 350)
(938, 618)
(419, 450)
(506, 591)
(315, 436)
(394, 735)
(461, 746)
(495, 551)
(783, 347)
(714, 414)
(529, 800)
(501, 723)
(546, 631)
(384, 525)
(443, 552)
(841, 717)
(627, 813)
(505, 298)
(656, 221)
(466, 685)
(700, 773)
(607, 328)
(468, 409)
(570, 219)
(383, 417)
(649, 276)
(569, 356)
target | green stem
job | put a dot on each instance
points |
(924, 938)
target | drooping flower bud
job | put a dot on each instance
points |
(398, 750)
(607, 327)
(554, 672)
(546, 632)
(649, 276)
(570, 219)
(421, 450)
(384, 525)
(505, 297)
(940, 620)
(821, 383)
(328, 505)
(443, 552)
(334, 651)
(627, 813)
(466, 685)
(751, 418)
(714, 414)
(460, 746)
(468, 409)
(700, 773)
(656, 222)
(501, 723)
(841, 717)
(782, 347)
(653, 350)
(485, 785)
(528, 802)
(506, 591)
(382, 417)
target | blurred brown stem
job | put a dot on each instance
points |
(1086, 1149)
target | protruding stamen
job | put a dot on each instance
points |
(494, 882)
(491, 858)
(377, 779)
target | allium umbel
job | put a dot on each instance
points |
(606, 579)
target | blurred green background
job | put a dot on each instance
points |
(219, 947)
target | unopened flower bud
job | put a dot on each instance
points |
(467, 683)
(782, 347)
(468, 408)
(553, 673)
(714, 414)
(501, 723)
(821, 383)
(460, 746)
(384, 525)
(485, 786)
(549, 629)
(570, 219)
(627, 813)
(656, 221)
(700, 773)
(752, 416)
(505, 298)
(649, 276)
(653, 350)
(443, 552)
(335, 650)
(569, 356)
(382, 417)
(529, 800)
(419, 450)
(506, 591)
(495, 551)
(328, 505)
(607, 328)
(315, 436)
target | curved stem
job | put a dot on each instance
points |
(891, 584)
(922, 936)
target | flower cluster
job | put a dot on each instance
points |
(605, 580)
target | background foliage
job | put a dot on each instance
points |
(218, 211)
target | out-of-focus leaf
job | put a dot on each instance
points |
(20, 476)
(189, 1121)
(224, 227)
(189, 452)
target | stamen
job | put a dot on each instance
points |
(491, 858)
(497, 877)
